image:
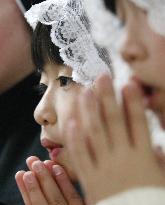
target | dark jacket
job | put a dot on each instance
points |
(19, 136)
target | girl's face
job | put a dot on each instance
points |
(54, 110)
(144, 51)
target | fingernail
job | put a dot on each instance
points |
(57, 170)
(31, 157)
(87, 93)
(37, 166)
(29, 178)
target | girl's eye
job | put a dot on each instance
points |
(41, 89)
(64, 80)
(121, 24)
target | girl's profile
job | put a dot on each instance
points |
(91, 137)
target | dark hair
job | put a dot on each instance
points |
(43, 48)
(111, 5)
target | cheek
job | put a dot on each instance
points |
(153, 67)
(159, 49)
(158, 59)
(64, 108)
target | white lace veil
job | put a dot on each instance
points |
(71, 33)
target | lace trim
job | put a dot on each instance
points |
(71, 33)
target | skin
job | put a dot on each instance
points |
(15, 38)
(53, 112)
(46, 184)
(127, 143)
(122, 157)
(50, 183)
(143, 50)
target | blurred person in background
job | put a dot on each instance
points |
(19, 134)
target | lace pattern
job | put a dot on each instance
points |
(70, 32)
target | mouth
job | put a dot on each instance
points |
(149, 92)
(53, 149)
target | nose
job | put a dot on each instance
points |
(132, 49)
(45, 113)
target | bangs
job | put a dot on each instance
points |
(43, 49)
(111, 5)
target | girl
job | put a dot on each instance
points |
(124, 141)
(61, 33)
(126, 170)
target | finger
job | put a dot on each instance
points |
(32, 186)
(64, 183)
(78, 151)
(49, 164)
(136, 116)
(22, 188)
(93, 124)
(113, 113)
(30, 160)
(48, 185)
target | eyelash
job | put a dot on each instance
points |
(41, 88)
(64, 80)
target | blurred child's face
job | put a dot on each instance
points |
(144, 50)
(15, 55)
(54, 110)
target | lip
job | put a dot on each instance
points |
(54, 153)
(54, 149)
(151, 98)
